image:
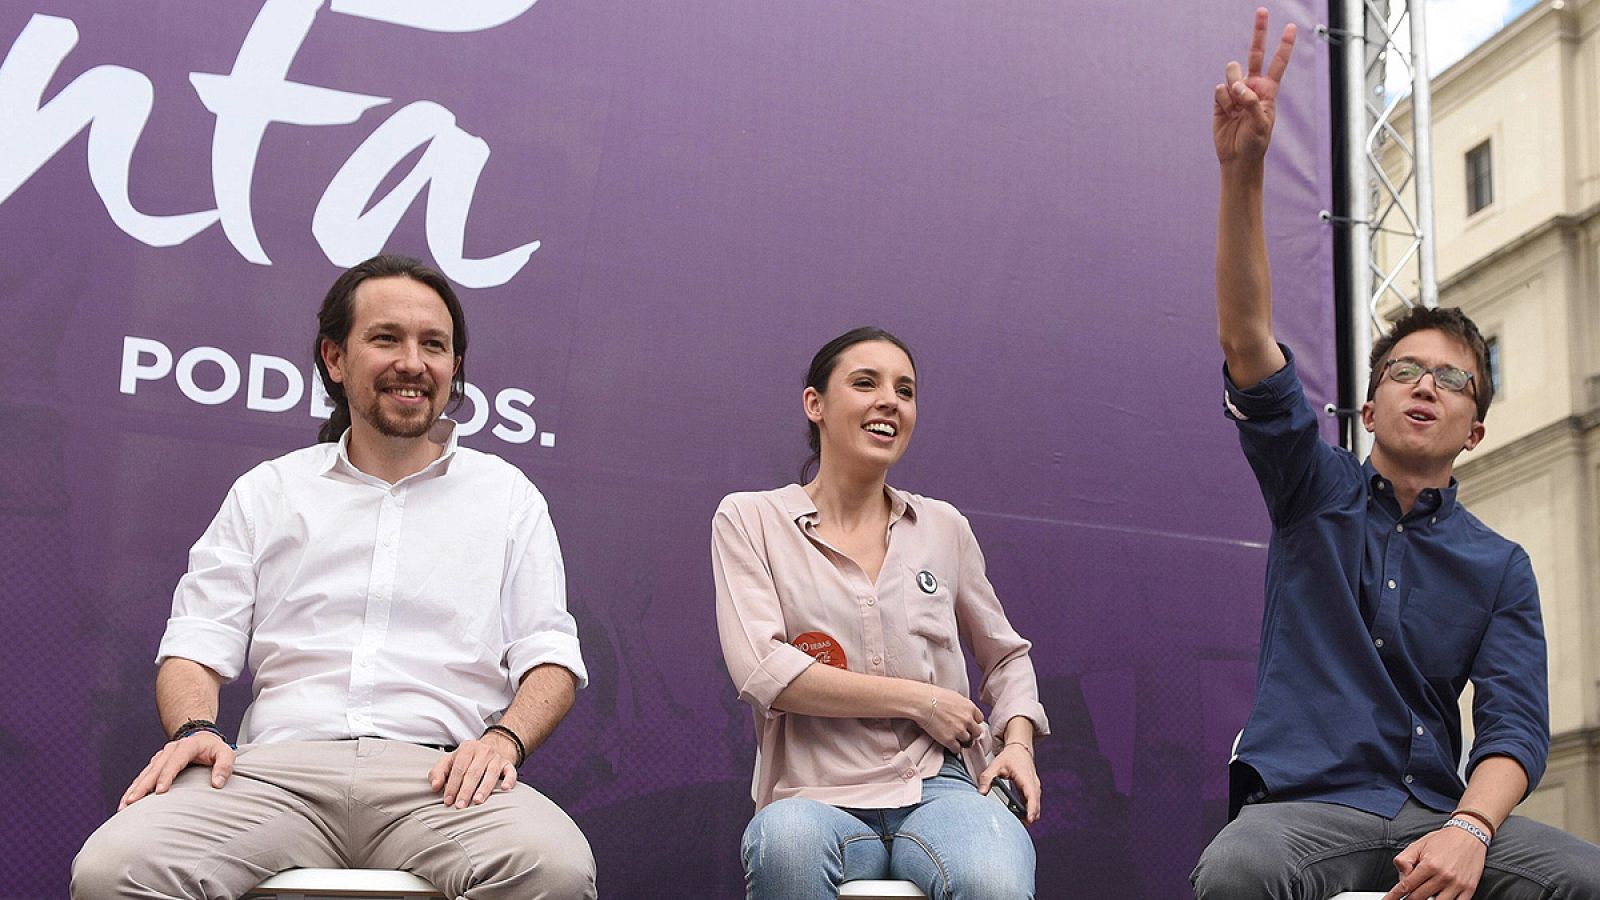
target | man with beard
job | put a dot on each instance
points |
(401, 604)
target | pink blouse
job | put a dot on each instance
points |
(786, 599)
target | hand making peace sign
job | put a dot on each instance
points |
(1247, 105)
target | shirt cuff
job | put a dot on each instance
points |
(1528, 757)
(1269, 396)
(215, 646)
(774, 673)
(1032, 710)
(546, 648)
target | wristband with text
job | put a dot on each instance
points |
(1481, 817)
(1470, 828)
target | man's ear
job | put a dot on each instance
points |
(1368, 416)
(333, 358)
(1475, 436)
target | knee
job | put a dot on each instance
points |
(993, 860)
(553, 865)
(1004, 880)
(786, 837)
(112, 862)
(1230, 869)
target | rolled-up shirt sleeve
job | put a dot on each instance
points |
(1511, 704)
(749, 616)
(539, 630)
(1010, 686)
(214, 602)
(1279, 434)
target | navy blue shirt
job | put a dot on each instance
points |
(1375, 622)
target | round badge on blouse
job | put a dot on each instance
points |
(821, 647)
(927, 582)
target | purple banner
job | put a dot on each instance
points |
(658, 211)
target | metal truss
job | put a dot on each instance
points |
(1396, 201)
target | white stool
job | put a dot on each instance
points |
(879, 890)
(315, 884)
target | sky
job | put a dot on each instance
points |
(1455, 27)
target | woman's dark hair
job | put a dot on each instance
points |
(821, 370)
(338, 314)
(1453, 322)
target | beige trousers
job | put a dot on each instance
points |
(363, 803)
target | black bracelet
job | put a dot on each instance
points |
(195, 726)
(522, 751)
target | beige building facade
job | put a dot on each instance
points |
(1516, 169)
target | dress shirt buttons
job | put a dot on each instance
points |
(1409, 779)
(877, 660)
(1420, 731)
(1378, 643)
(872, 601)
(1433, 521)
(1399, 528)
(1391, 584)
(909, 774)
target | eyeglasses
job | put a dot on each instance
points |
(1409, 371)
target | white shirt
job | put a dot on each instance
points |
(408, 611)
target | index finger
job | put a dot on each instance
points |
(1280, 59)
(1258, 42)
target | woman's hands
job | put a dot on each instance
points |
(949, 718)
(1015, 761)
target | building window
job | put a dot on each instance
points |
(1480, 181)
(1494, 363)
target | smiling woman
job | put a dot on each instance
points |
(841, 605)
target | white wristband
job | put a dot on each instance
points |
(1469, 828)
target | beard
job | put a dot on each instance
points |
(412, 425)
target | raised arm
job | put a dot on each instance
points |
(1243, 114)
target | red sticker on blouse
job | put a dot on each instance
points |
(822, 648)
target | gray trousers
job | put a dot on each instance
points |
(1311, 851)
(334, 804)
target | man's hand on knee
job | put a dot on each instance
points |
(204, 748)
(473, 771)
(1444, 865)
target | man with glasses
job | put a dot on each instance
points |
(1384, 598)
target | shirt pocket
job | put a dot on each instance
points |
(1442, 633)
(930, 607)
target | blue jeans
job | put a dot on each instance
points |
(957, 844)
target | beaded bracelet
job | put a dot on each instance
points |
(1020, 744)
(522, 751)
(1469, 828)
